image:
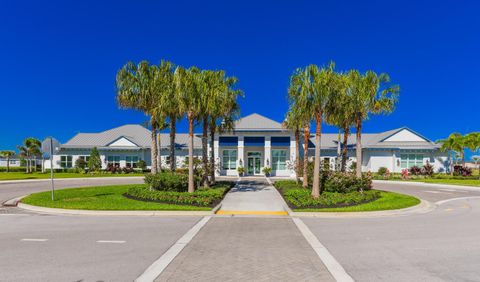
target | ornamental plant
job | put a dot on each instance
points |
(405, 174)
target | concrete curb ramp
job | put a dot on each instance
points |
(114, 213)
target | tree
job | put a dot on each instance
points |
(94, 161)
(371, 94)
(28, 150)
(301, 106)
(472, 142)
(323, 88)
(7, 155)
(140, 87)
(80, 163)
(187, 82)
(294, 123)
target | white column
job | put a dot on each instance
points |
(267, 160)
(216, 151)
(293, 157)
(241, 153)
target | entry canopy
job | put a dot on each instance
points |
(254, 141)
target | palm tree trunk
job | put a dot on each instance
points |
(154, 150)
(316, 168)
(159, 154)
(8, 164)
(306, 136)
(297, 154)
(450, 161)
(212, 155)
(191, 187)
(205, 152)
(339, 151)
(463, 157)
(173, 162)
(346, 132)
(358, 148)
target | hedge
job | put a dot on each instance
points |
(203, 197)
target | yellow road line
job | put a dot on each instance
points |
(254, 212)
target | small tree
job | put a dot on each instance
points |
(142, 165)
(80, 163)
(7, 155)
(94, 163)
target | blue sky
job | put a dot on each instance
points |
(59, 59)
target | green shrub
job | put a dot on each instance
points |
(166, 181)
(346, 182)
(204, 197)
(302, 198)
(13, 169)
(382, 170)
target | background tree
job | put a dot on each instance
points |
(7, 155)
(94, 161)
(294, 123)
(29, 150)
(472, 142)
(371, 94)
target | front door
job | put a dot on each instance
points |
(253, 162)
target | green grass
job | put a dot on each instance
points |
(100, 198)
(39, 175)
(464, 182)
(387, 201)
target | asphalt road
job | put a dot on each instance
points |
(442, 245)
(9, 189)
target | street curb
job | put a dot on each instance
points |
(285, 205)
(423, 207)
(64, 179)
(413, 183)
(111, 213)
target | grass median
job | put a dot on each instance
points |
(102, 198)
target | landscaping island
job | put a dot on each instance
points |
(163, 191)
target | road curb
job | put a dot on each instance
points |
(423, 207)
(111, 213)
(413, 183)
(64, 179)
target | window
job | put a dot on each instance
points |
(409, 160)
(229, 158)
(13, 161)
(131, 161)
(279, 158)
(113, 160)
(85, 158)
(167, 160)
(66, 161)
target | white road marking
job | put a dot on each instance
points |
(158, 266)
(455, 199)
(333, 266)
(111, 241)
(437, 192)
(33, 240)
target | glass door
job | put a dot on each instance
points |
(250, 165)
(257, 165)
(254, 161)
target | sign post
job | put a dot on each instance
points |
(50, 147)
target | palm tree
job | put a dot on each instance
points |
(7, 155)
(223, 116)
(341, 114)
(458, 145)
(187, 83)
(293, 123)
(300, 96)
(447, 145)
(30, 148)
(323, 88)
(472, 142)
(371, 94)
(139, 87)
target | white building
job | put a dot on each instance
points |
(255, 143)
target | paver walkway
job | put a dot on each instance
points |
(247, 249)
(252, 196)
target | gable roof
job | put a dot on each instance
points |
(256, 122)
(376, 141)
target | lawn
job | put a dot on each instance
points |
(100, 198)
(371, 200)
(387, 201)
(39, 175)
(466, 182)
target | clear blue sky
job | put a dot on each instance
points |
(59, 59)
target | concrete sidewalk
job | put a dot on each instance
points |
(253, 196)
(247, 249)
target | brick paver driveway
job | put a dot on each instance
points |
(247, 249)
